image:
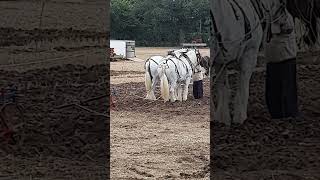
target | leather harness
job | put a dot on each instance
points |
(260, 9)
(149, 69)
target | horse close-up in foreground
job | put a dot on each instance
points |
(240, 30)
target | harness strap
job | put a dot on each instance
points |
(189, 61)
(149, 68)
(247, 25)
(234, 11)
(282, 7)
(217, 34)
(169, 59)
(258, 8)
(262, 11)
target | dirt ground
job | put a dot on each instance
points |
(76, 35)
(262, 148)
(52, 142)
(156, 140)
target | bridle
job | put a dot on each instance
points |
(194, 67)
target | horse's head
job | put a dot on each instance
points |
(194, 57)
(204, 63)
(193, 54)
(176, 53)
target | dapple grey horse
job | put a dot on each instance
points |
(238, 28)
(151, 75)
(175, 71)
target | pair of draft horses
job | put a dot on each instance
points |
(175, 72)
(239, 28)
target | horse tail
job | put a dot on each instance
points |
(164, 83)
(148, 80)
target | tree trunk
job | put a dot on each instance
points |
(182, 36)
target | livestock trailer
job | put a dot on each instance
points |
(123, 48)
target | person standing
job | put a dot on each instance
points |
(281, 84)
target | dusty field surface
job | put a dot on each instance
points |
(76, 35)
(57, 14)
(156, 140)
(53, 142)
(262, 148)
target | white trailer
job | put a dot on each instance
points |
(123, 48)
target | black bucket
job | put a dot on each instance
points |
(198, 89)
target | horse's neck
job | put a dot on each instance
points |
(223, 12)
(192, 57)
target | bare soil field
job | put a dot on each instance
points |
(262, 148)
(57, 142)
(60, 62)
(86, 15)
(68, 32)
(156, 140)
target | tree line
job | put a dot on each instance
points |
(160, 22)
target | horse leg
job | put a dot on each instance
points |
(186, 88)
(221, 93)
(247, 64)
(148, 81)
(172, 92)
(179, 92)
(153, 87)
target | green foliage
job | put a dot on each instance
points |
(159, 22)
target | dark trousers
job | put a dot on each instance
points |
(281, 89)
(198, 89)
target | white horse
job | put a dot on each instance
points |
(237, 36)
(151, 75)
(175, 71)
